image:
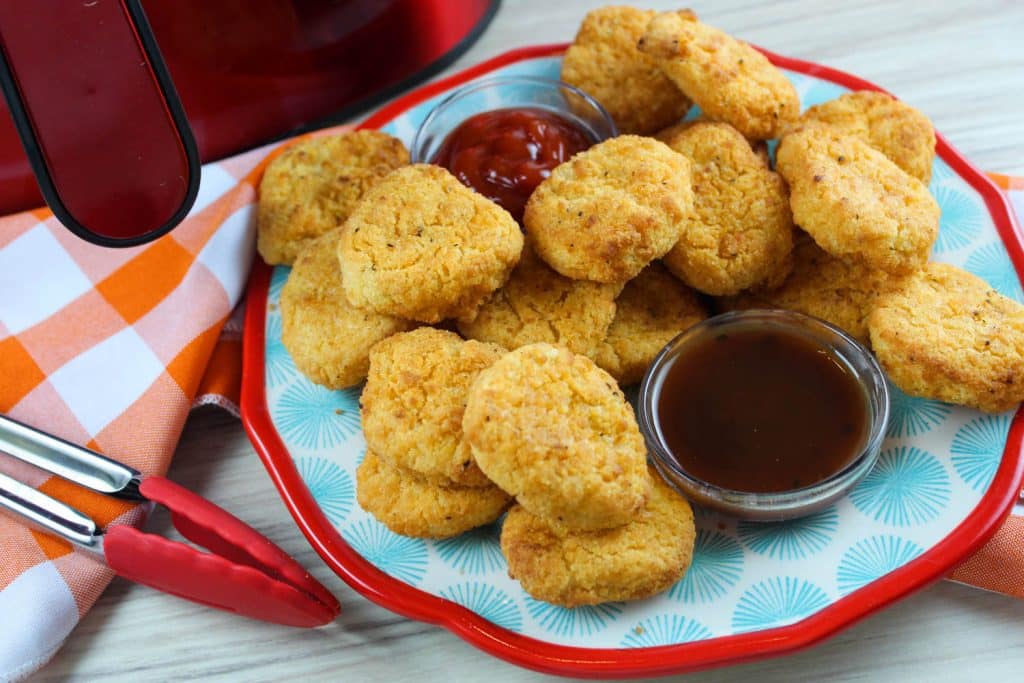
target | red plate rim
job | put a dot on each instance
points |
(539, 655)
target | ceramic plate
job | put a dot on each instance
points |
(945, 479)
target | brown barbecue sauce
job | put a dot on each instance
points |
(761, 410)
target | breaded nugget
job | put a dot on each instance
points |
(539, 305)
(554, 430)
(632, 562)
(327, 337)
(855, 203)
(610, 210)
(823, 286)
(652, 309)
(314, 185)
(414, 398)
(422, 245)
(894, 128)
(740, 233)
(669, 132)
(947, 335)
(411, 506)
(604, 62)
(728, 79)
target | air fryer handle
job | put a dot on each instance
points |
(99, 117)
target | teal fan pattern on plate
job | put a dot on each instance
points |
(400, 556)
(978, 448)
(279, 365)
(716, 567)
(794, 539)
(777, 601)
(871, 558)
(576, 622)
(938, 463)
(475, 552)
(315, 417)
(941, 173)
(907, 487)
(992, 264)
(912, 416)
(665, 629)
(961, 220)
(277, 279)
(491, 603)
(330, 485)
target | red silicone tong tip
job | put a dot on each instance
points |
(244, 572)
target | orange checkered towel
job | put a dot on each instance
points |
(109, 348)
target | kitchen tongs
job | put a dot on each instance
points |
(243, 572)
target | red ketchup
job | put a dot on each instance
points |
(506, 153)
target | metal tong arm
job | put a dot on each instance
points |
(82, 466)
(74, 463)
(48, 514)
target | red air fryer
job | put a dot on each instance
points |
(112, 108)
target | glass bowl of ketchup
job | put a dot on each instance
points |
(766, 415)
(502, 136)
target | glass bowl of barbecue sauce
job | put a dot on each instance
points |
(502, 136)
(763, 414)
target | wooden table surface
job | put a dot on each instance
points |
(960, 62)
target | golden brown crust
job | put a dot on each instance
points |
(729, 80)
(821, 285)
(632, 562)
(314, 185)
(422, 245)
(894, 128)
(539, 305)
(740, 233)
(411, 506)
(327, 337)
(604, 62)
(609, 211)
(855, 203)
(947, 335)
(413, 402)
(651, 310)
(555, 431)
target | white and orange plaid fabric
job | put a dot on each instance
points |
(110, 348)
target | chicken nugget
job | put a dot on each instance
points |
(610, 210)
(632, 562)
(947, 335)
(653, 308)
(411, 506)
(740, 233)
(821, 285)
(414, 398)
(855, 203)
(424, 246)
(728, 79)
(894, 128)
(327, 337)
(539, 305)
(314, 185)
(604, 62)
(554, 430)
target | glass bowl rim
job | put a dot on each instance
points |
(415, 147)
(737, 502)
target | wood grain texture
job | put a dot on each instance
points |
(961, 62)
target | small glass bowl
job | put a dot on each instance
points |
(779, 505)
(510, 92)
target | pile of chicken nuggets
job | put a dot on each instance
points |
(493, 353)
